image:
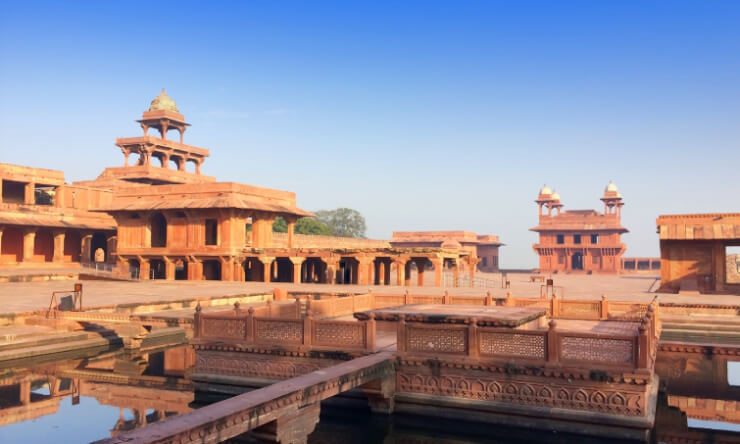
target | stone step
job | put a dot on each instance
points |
(701, 327)
(50, 349)
(39, 340)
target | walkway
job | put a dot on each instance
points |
(292, 405)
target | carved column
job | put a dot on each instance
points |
(291, 229)
(438, 269)
(29, 241)
(195, 270)
(169, 268)
(267, 262)
(58, 246)
(420, 266)
(297, 261)
(455, 272)
(400, 271)
(364, 271)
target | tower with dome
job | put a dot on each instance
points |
(579, 241)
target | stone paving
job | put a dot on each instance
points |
(28, 296)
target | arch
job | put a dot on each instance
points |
(134, 268)
(282, 270)
(181, 270)
(191, 166)
(576, 261)
(158, 230)
(11, 249)
(212, 270)
(313, 270)
(382, 275)
(176, 162)
(348, 268)
(72, 246)
(157, 269)
(98, 241)
(160, 158)
(43, 246)
(254, 270)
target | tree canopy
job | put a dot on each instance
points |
(343, 222)
(280, 225)
(311, 225)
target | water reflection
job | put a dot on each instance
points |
(81, 400)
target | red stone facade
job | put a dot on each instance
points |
(579, 240)
(482, 247)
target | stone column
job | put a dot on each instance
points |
(381, 272)
(364, 271)
(420, 265)
(472, 271)
(144, 269)
(29, 241)
(455, 272)
(166, 161)
(29, 197)
(331, 271)
(58, 246)
(267, 265)
(400, 271)
(291, 229)
(291, 427)
(195, 270)
(297, 262)
(85, 248)
(169, 268)
(438, 270)
(1, 227)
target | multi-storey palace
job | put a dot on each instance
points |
(158, 217)
(580, 240)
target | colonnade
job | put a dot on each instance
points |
(24, 244)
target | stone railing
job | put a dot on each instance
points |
(475, 342)
(247, 329)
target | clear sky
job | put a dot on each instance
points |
(420, 115)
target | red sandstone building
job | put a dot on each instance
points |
(579, 240)
(483, 247)
(158, 217)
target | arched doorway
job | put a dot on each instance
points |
(11, 249)
(313, 271)
(254, 270)
(576, 261)
(212, 270)
(98, 241)
(158, 229)
(43, 246)
(157, 269)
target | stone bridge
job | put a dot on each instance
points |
(286, 411)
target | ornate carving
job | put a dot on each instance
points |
(339, 334)
(543, 394)
(224, 328)
(448, 340)
(512, 344)
(288, 331)
(615, 351)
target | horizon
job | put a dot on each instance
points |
(446, 117)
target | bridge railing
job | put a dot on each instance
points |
(245, 328)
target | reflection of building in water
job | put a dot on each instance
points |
(697, 386)
(150, 385)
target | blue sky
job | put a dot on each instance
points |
(420, 115)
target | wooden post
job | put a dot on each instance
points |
(196, 321)
(401, 334)
(553, 354)
(370, 333)
(604, 307)
(489, 298)
(473, 350)
(307, 328)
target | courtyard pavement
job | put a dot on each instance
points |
(27, 296)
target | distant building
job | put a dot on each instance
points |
(482, 247)
(700, 253)
(580, 240)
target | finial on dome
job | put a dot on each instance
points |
(163, 102)
(545, 190)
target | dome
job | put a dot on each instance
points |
(555, 196)
(451, 244)
(163, 102)
(545, 190)
(611, 187)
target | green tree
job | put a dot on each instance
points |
(343, 222)
(310, 225)
(280, 226)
